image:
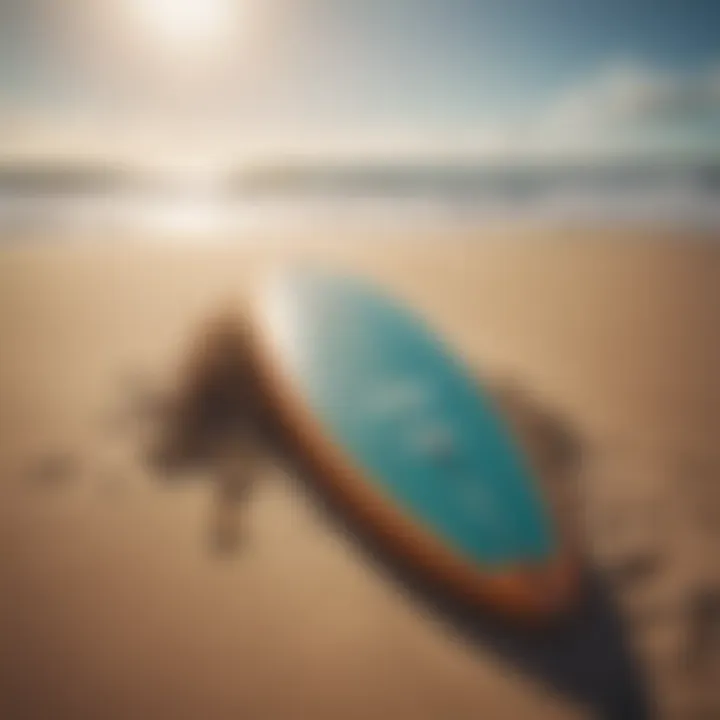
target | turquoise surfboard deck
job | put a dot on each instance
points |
(406, 411)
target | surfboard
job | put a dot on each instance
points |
(400, 430)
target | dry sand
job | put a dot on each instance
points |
(112, 605)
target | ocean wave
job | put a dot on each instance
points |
(362, 198)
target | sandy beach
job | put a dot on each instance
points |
(112, 604)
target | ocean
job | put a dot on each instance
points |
(51, 200)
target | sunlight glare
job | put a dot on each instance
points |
(186, 24)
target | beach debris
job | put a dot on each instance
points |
(216, 398)
(212, 423)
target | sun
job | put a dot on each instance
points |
(186, 24)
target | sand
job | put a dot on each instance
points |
(112, 602)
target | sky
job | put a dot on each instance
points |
(410, 79)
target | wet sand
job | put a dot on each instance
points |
(113, 603)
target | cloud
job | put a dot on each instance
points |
(620, 94)
(627, 94)
(402, 142)
(623, 107)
